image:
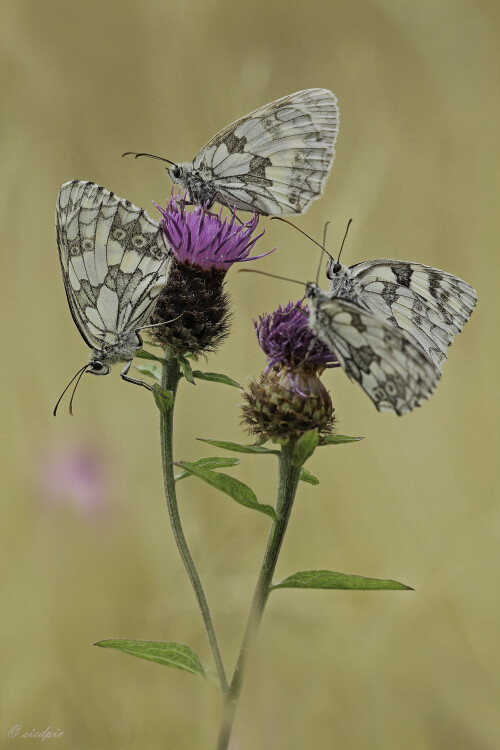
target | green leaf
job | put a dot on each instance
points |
(327, 579)
(186, 369)
(216, 377)
(144, 354)
(305, 447)
(338, 439)
(306, 476)
(164, 399)
(261, 440)
(150, 371)
(212, 462)
(230, 486)
(155, 343)
(169, 654)
(238, 447)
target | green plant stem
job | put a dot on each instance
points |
(171, 375)
(287, 487)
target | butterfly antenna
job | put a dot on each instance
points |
(324, 233)
(321, 256)
(163, 323)
(80, 372)
(271, 275)
(345, 235)
(150, 156)
(285, 221)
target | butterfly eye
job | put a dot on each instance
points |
(336, 267)
(176, 172)
(97, 366)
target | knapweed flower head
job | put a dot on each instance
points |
(289, 399)
(204, 246)
(286, 339)
(206, 239)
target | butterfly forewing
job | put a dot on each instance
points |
(114, 262)
(392, 371)
(432, 306)
(276, 159)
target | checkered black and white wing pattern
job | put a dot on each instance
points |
(432, 306)
(392, 371)
(276, 159)
(114, 262)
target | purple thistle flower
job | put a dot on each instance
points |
(286, 339)
(205, 239)
(289, 399)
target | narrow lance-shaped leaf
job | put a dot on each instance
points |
(150, 371)
(186, 369)
(164, 399)
(305, 447)
(328, 579)
(230, 486)
(337, 440)
(306, 476)
(211, 462)
(144, 354)
(215, 377)
(168, 654)
(238, 447)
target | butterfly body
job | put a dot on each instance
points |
(198, 182)
(392, 371)
(114, 263)
(274, 160)
(430, 305)
(123, 350)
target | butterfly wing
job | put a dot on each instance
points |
(432, 306)
(114, 261)
(392, 371)
(276, 159)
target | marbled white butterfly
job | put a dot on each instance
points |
(392, 371)
(430, 305)
(274, 160)
(389, 324)
(114, 263)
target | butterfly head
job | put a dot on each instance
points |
(98, 367)
(313, 291)
(334, 269)
(178, 174)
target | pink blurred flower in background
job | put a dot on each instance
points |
(76, 475)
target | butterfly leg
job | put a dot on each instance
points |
(136, 381)
(214, 213)
(311, 346)
(232, 211)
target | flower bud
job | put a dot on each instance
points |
(289, 399)
(283, 405)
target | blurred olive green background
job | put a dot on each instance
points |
(87, 551)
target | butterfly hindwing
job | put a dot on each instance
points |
(432, 306)
(114, 262)
(392, 371)
(274, 160)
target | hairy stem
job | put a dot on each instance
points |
(171, 375)
(287, 487)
